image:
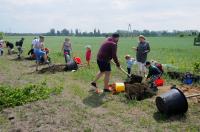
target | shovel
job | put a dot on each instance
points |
(125, 72)
(121, 69)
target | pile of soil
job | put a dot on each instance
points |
(138, 91)
(176, 75)
(180, 76)
(53, 69)
(134, 79)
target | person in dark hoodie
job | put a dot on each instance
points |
(19, 46)
(154, 74)
(107, 52)
(10, 47)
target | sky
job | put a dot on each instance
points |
(38, 16)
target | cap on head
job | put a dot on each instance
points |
(127, 56)
(115, 35)
(88, 46)
(142, 36)
(147, 63)
(22, 38)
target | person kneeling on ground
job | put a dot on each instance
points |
(10, 47)
(154, 74)
(130, 61)
(38, 46)
(107, 52)
(19, 46)
(158, 65)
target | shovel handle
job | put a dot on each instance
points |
(190, 96)
(122, 70)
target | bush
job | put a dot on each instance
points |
(181, 35)
(10, 97)
(196, 67)
(1, 35)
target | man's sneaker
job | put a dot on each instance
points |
(94, 84)
(98, 91)
(106, 90)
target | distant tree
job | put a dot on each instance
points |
(99, 32)
(146, 32)
(95, 32)
(58, 33)
(65, 32)
(194, 33)
(52, 32)
(71, 32)
(76, 32)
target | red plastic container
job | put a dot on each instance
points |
(78, 60)
(159, 82)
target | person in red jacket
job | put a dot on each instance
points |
(88, 54)
(107, 52)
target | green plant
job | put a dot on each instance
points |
(1, 35)
(196, 67)
(10, 97)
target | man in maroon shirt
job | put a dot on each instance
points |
(107, 52)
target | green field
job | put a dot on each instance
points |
(77, 110)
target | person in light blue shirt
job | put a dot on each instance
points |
(129, 61)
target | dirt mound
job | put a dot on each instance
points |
(180, 76)
(138, 91)
(176, 75)
(53, 69)
(134, 79)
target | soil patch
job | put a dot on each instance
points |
(53, 69)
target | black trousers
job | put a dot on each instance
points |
(129, 70)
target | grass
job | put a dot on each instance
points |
(76, 108)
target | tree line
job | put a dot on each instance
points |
(98, 33)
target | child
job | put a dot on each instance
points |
(154, 74)
(130, 61)
(1, 47)
(88, 54)
(67, 49)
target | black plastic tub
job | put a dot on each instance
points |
(173, 102)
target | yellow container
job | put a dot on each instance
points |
(119, 87)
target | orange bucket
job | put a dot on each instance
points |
(159, 82)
